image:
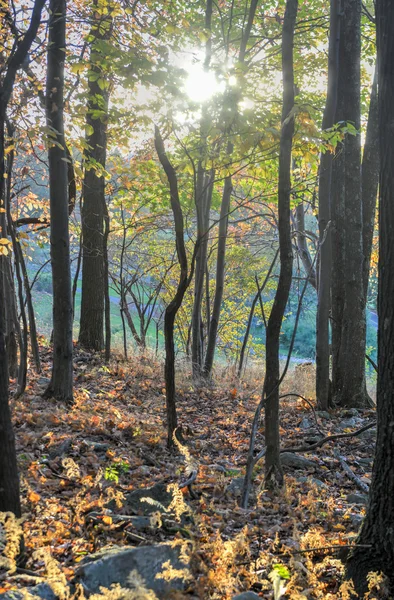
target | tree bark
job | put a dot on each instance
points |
(91, 334)
(377, 528)
(273, 469)
(183, 283)
(61, 385)
(349, 319)
(220, 273)
(370, 179)
(325, 247)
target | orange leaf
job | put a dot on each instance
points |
(34, 497)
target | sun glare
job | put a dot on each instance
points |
(201, 85)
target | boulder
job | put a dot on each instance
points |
(128, 567)
(247, 596)
(42, 590)
(146, 501)
(296, 461)
(357, 499)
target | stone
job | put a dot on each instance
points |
(312, 481)
(323, 414)
(247, 596)
(288, 459)
(305, 423)
(96, 446)
(235, 486)
(368, 435)
(60, 449)
(350, 412)
(119, 565)
(357, 499)
(160, 500)
(42, 590)
(351, 423)
(356, 520)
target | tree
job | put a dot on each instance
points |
(348, 302)
(376, 532)
(325, 185)
(61, 384)
(9, 482)
(274, 474)
(94, 207)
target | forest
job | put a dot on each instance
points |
(196, 299)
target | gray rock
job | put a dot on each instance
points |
(289, 459)
(312, 481)
(365, 461)
(247, 596)
(117, 566)
(350, 412)
(323, 414)
(351, 423)
(357, 499)
(60, 449)
(235, 486)
(42, 590)
(369, 435)
(356, 520)
(305, 423)
(159, 499)
(96, 446)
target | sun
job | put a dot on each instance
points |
(201, 85)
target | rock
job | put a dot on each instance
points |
(312, 481)
(159, 499)
(289, 459)
(323, 414)
(351, 423)
(356, 520)
(117, 566)
(369, 435)
(305, 423)
(235, 486)
(247, 596)
(43, 381)
(60, 449)
(96, 446)
(357, 499)
(367, 462)
(350, 412)
(42, 590)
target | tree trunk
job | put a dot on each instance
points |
(273, 469)
(220, 272)
(370, 179)
(325, 247)
(302, 244)
(91, 334)
(9, 480)
(183, 283)
(61, 385)
(349, 322)
(377, 530)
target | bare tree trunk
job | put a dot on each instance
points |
(61, 385)
(370, 179)
(349, 319)
(91, 334)
(107, 300)
(273, 469)
(325, 186)
(377, 534)
(9, 481)
(220, 272)
(302, 244)
(183, 284)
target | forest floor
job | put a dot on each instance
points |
(73, 461)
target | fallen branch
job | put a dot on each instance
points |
(188, 483)
(360, 484)
(329, 438)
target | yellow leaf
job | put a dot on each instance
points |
(34, 497)
(107, 520)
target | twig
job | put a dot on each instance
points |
(360, 484)
(329, 438)
(334, 547)
(188, 484)
(135, 537)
